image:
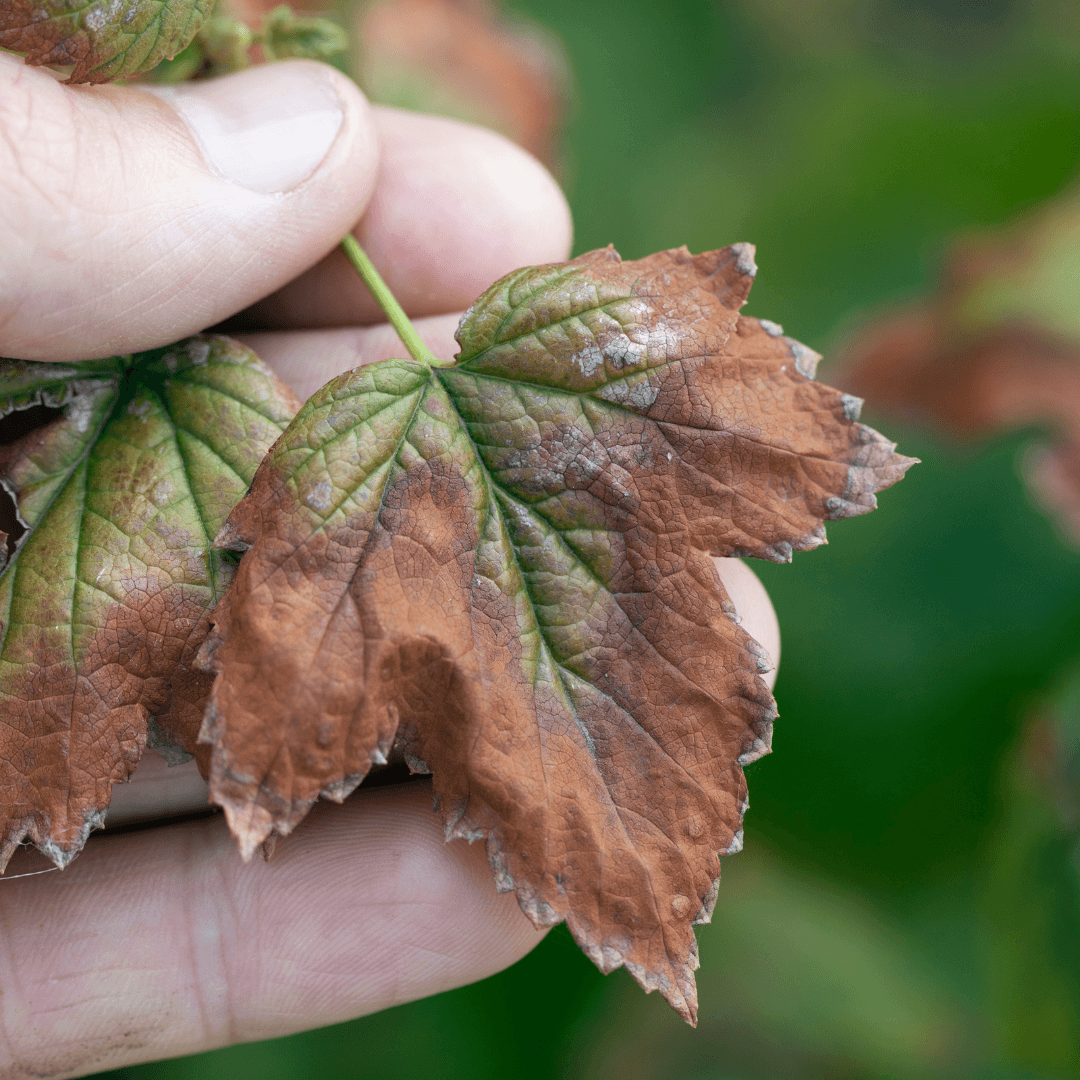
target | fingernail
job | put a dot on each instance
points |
(267, 128)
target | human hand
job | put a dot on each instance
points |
(124, 226)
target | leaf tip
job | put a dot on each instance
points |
(228, 538)
(62, 852)
(708, 901)
(744, 258)
(678, 989)
(250, 824)
(726, 272)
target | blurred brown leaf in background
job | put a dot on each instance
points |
(465, 59)
(997, 348)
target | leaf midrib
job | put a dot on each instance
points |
(557, 664)
(541, 626)
(390, 458)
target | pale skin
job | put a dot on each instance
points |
(116, 234)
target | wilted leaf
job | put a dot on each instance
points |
(997, 348)
(105, 601)
(103, 39)
(464, 59)
(505, 566)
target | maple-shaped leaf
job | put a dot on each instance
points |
(105, 600)
(505, 566)
(103, 39)
(997, 347)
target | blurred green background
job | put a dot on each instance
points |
(907, 903)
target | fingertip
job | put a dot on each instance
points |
(754, 607)
(455, 208)
(456, 182)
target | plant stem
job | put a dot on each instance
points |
(388, 302)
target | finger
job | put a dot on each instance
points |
(161, 943)
(128, 220)
(455, 208)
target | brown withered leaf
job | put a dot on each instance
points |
(504, 565)
(105, 600)
(996, 348)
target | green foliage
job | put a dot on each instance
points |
(1033, 900)
(225, 44)
(284, 35)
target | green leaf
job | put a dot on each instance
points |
(105, 599)
(103, 39)
(225, 43)
(285, 35)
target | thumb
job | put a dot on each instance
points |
(130, 218)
